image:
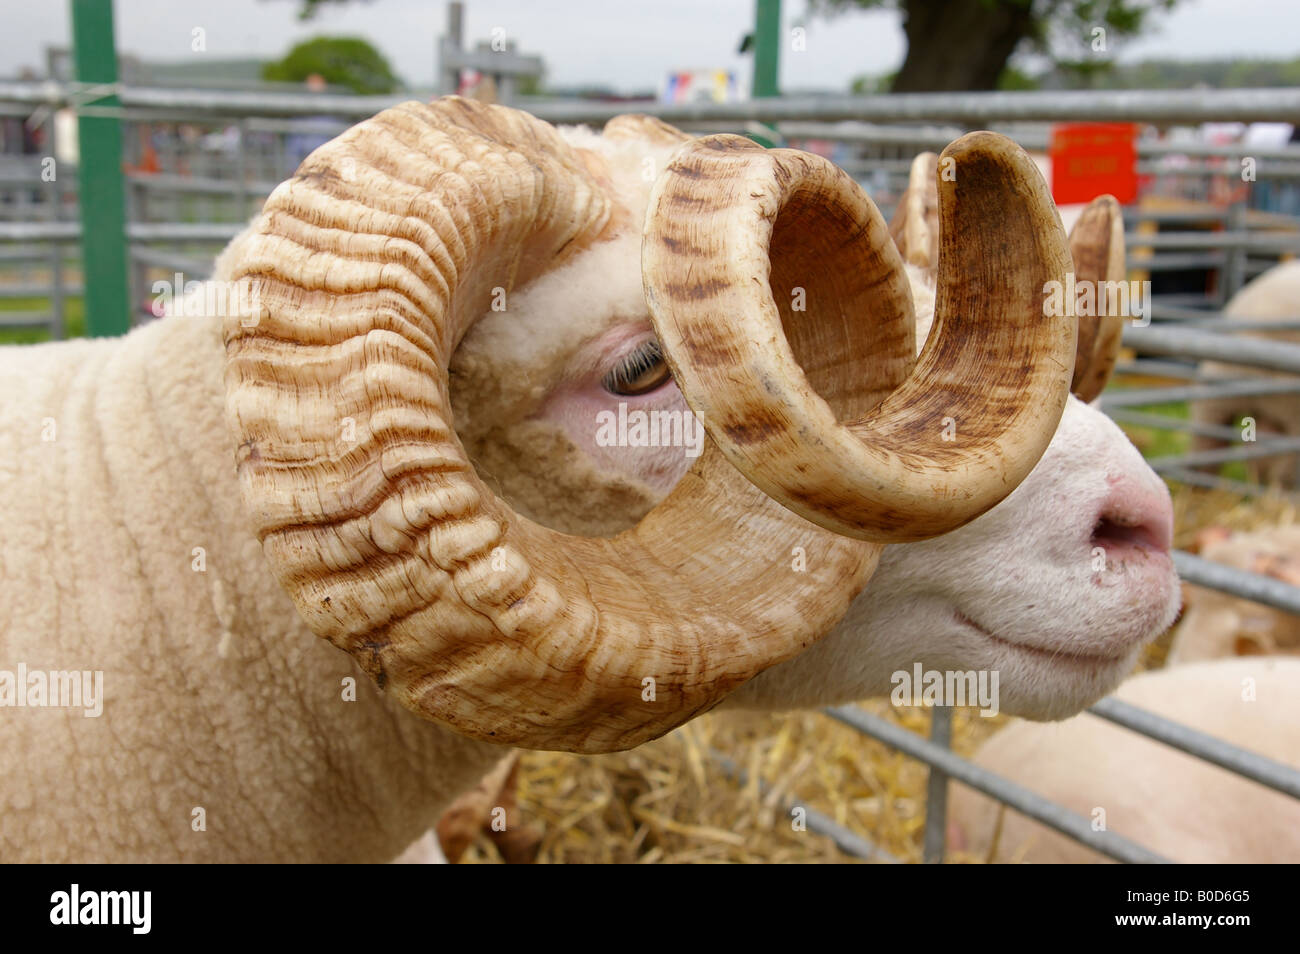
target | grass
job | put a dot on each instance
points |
(1154, 442)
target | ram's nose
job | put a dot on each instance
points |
(1135, 515)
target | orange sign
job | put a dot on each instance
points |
(1092, 159)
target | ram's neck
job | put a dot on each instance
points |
(123, 550)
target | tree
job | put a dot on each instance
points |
(341, 60)
(307, 9)
(955, 45)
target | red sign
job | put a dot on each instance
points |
(1092, 159)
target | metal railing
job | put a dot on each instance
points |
(213, 155)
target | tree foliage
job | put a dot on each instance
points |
(966, 44)
(341, 60)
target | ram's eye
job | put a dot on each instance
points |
(639, 372)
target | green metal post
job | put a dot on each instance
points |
(101, 197)
(767, 47)
(767, 56)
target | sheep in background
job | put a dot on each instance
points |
(1273, 295)
(1174, 804)
(1217, 625)
(230, 732)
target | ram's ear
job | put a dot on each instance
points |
(915, 225)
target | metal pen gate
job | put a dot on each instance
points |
(200, 162)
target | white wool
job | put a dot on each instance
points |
(1273, 295)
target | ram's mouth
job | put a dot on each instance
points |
(1052, 655)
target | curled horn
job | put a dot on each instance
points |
(371, 264)
(1097, 248)
(764, 267)
(915, 225)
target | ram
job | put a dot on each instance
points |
(1273, 296)
(393, 449)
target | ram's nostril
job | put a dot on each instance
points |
(1109, 533)
(1134, 516)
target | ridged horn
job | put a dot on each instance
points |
(643, 128)
(1097, 248)
(739, 239)
(370, 264)
(915, 225)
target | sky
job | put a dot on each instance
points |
(626, 44)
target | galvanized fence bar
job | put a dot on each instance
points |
(1185, 342)
(1209, 214)
(935, 138)
(1227, 579)
(40, 231)
(1185, 299)
(1150, 368)
(1150, 106)
(1263, 170)
(1021, 799)
(1160, 147)
(1237, 239)
(169, 182)
(1247, 764)
(1252, 450)
(936, 790)
(1180, 262)
(1138, 397)
(1196, 478)
(1233, 275)
(184, 231)
(193, 104)
(57, 292)
(1163, 422)
(135, 231)
(194, 269)
(1225, 324)
(25, 319)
